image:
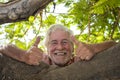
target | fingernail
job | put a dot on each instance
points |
(87, 58)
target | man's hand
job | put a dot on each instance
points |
(82, 51)
(34, 55)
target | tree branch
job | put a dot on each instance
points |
(20, 9)
(116, 22)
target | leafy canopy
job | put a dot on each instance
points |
(92, 21)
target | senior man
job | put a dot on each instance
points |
(59, 42)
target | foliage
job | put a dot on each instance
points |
(97, 20)
(93, 20)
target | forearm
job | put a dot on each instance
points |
(13, 51)
(102, 46)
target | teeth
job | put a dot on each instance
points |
(60, 53)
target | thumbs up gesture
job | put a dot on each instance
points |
(83, 51)
(34, 55)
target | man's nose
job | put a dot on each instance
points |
(60, 46)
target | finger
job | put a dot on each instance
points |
(82, 57)
(89, 57)
(77, 59)
(37, 41)
(76, 42)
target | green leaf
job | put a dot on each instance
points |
(31, 19)
(20, 44)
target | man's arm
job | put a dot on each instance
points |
(102, 46)
(32, 56)
(12, 51)
(87, 51)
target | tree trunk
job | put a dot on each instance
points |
(19, 10)
(104, 66)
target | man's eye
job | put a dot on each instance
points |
(53, 43)
(64, 42)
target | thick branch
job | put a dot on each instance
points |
(20, 9)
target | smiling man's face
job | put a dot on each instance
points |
(60, 48)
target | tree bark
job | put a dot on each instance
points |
(19, 10)
(104, 66)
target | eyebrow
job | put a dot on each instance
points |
(53, 40)
(62, 40)
(65, 40)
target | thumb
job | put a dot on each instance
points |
(76, 42)
(37, 41)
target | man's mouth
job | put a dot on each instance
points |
(60, 53)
